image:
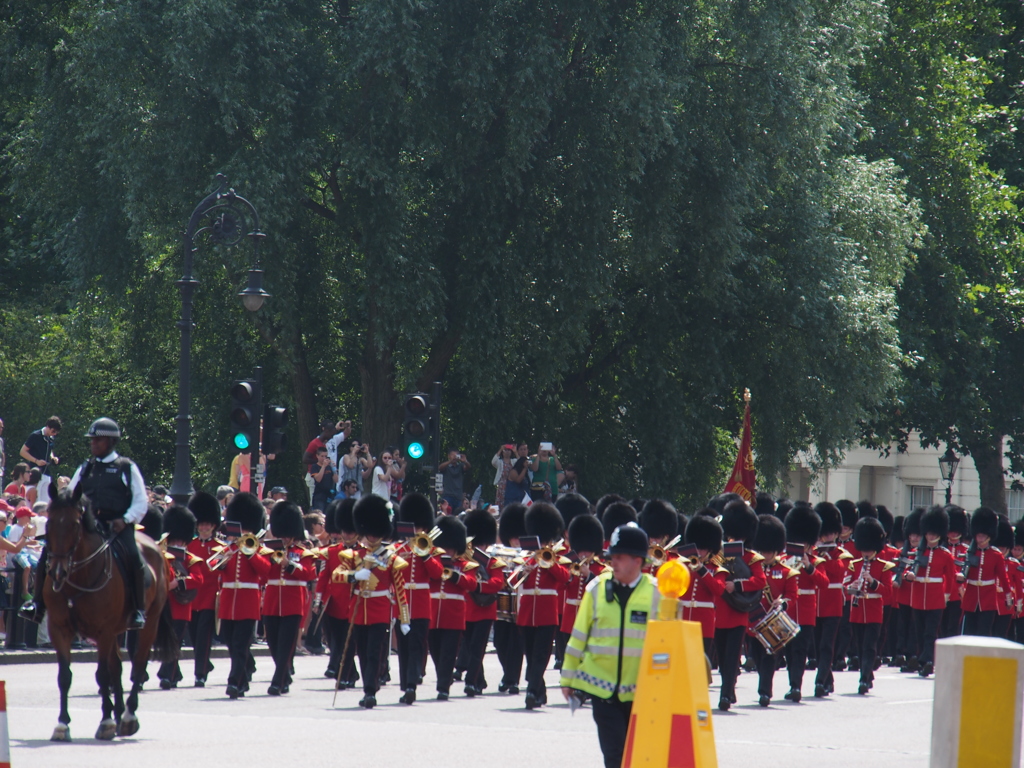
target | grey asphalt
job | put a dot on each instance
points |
(201, 727)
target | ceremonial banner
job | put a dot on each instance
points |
(742, 479)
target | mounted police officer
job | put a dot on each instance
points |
(117, 495)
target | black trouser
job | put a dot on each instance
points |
(282, 637)
(561, 640)
(237, 635)
(765, 664)
(843, 636)
(384, 674)
(926, 627)
(796, 655)
(508, 642)
(828, 626)
(729, 643)
(612, 719)
(133, 565)
(537, 642)
(444, 647)
(1018, 630)
(866, 646)
(370, 638)
(952, 615)
(169, 670)
(474, 642)
(200, 629)
(906, 634)
(1001, 626)
(412, 654)
(314, 633)
(337, 631)
(979, 623)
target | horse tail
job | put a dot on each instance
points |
(165, 645)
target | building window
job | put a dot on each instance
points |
(1015, 505)
(921, 496)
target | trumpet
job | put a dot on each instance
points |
(657, 554)
(580, 565)
(422, 544)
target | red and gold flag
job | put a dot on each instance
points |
(742, 480)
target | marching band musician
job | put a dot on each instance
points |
(870, 582)
(185, 578)
(770, 542)
(448, 600)
(415, 508)
(930, 575)
(739, 523)
(1017, 569)
(285, 600)
(849, 513)
(377, 575)
(239, 607)
(586, 537)
(891, 629)
(508, 638)
(803, 526)
(482, 607)
(707, 580)
(1005, 593)
(206, 509)
(986, 567)
(907, 629)
(952, 616)
(538, 601)
(336, 596)
(569, 506)
(890, 554)
(830, 597)
(661, 523)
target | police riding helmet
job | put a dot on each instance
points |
(104, 427)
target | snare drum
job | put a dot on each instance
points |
(775, 630)
(506, 607)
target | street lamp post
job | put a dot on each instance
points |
(947, 466)
(229, 219)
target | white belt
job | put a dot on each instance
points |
(929, 579)
(986, 583)
(807, 591)
(287, 583)
(241, 585)
(377, 593)
(540, 592)
(835, 586)
(689, 604)
(417, 585)
(868, 595)
(446, 596)
(572, 602)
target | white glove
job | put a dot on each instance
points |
(316, 603)
(363, 574)
(405, 628)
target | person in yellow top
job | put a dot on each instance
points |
(602, 657)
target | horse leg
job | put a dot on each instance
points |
(62, 732)
(115, 681)
(146, 636)
(107, 727)
(61, 631)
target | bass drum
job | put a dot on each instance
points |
(744, 602)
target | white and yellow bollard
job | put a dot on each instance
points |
(976, 713)
(5, 740)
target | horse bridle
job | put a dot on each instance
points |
(70, 565)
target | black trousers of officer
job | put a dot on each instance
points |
(906, 632)
(370, 639)
(844, 637)
(129, 549)
(926, 626)
(952, 615)
(765, 663)
(796, 655)
(508, 642)
(412, 654)
(728, 644)
(1001, 626)
(612, 719)
(865, 645)
(829, 627)
(979, 623)
(561, 640)
(444, 647)
(337, 631)
(200, 629)
(282, 637)
(538, 643)
(474, 643)
(237, 635)
(169, 670)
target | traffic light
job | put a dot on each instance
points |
(245, 414)
(416, 425)
(275, 417)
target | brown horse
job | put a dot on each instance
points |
(84, 593)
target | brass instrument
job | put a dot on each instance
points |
(658, 554)
(580, 565)
(547, 556)
(248, 544)
(504, 553)
(422, 544)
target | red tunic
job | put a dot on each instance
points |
(538, 596)
(240, 588)
(782, 581)
(194, 580)
(336, 596)
(287, 592)
(830, 596)
(206, 600)
(891, 554)
(870, 607)
(698, 601)
(490, 580)
(805, 611)
(726, 617)
(448, 596)
(932, 580)
(985, 581)
(959, 553)
(419, 574)
(574, 592)
(372, 599)
(1016, 575)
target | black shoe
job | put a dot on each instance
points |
(273, 690)
(331, 674)
(471, 691)
(531, 701)
(200, 682)
(166, 685)
(898, 661)
(137, 621)
(457, 677)
(233, 692)
(910, 666)
(878, 663)
(513, 690)
(502, 687)
(408, 697)
(839, 666)
(854, 664)
(811, 664)
(793, 695)
(285, 689)
(724, 704)
(764, 701)
(926, 669)
(749, 665)
(557, 664)
(863, 688)
(442, 696)
(819, 692)
(368, 702)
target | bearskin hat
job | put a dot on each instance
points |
(286, 521)
(803, 526)
(1004, 538)
(615, 515)
(896, 535)
(659, 519)
(782, 509)
(481, 525)
(958, 522)
(1018, 534)
(683, 520)
(707, 512)
(868, 535)
(543, 521)
(606, 501)
(719, 502)
(866, 509)
(885, 518)
(452, 535)
(848, 512)
(205, 507)
(572, 504)
(764, 503)
(246, 510)
(912, 522)
(739, 522)
(372, 517)
(179, 523)
(153, 522)
(343, 517)
(704, 532)
(416, 509)
(935, 520)
(330, 517)
(512, 523)
(771, 534)
(586, 534)
(831, 518)
(984, 520)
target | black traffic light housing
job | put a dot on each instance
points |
(416, 426)
(275, 418)
(245, 414)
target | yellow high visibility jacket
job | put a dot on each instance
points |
(602, 657)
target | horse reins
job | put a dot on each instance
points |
(73, 565)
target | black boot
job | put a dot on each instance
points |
(35, 609)
(137, 620)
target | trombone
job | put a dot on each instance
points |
(248, 544)
(422, 544)
(657, 554)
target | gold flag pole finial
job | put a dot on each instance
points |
(746, 395)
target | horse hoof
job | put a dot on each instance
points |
(61, 733)
(128, 726)
(107, 730)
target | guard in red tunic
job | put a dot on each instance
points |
(1005, 592)
(286, 598)
(890, 554)
(482, 605)
(448, 600)
(508, 638)
(424, 566)
(336, 597)
(661, 523)
(586, 538)
(739, 524)
(242, 576)
(869, 582)
(770, 543)
(204, 608)
(830, 596)
(538, 598)
(803, 526)
(570, 506)
(186, 576)
(707, 579)
(985, 566)
(931, 575)
(952, 616)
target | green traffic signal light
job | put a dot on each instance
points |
(241, 441)
(415, 450)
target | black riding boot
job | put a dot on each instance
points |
(35, 609)
(138, 618)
